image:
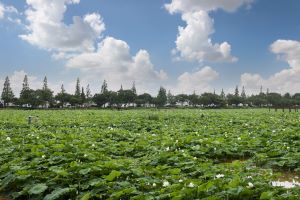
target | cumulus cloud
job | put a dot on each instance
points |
(194, 41)
(196, 5)
(198, 81)
(113, 61)
(1, 11)
(6, 11)
(47, 30)
(81, 45)
(287, 80)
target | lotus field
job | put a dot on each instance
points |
(149, 154)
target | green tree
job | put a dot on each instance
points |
(82, 96)
(236, 91)
(161, 98)
(133, 88)
(222, 95)
(104, 87)
(144, 99)
(101, 99)
(62, 96)
(77, 88)
(112, 98)
(7, 94)
(243, 96)
(193, 99)
(25, 83)
(76, 99)
(45, 95)
(26, 93)
(171, 99)
(45, 84)
(88, 94)
(233, 99)
(182, 98)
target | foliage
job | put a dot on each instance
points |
(7, 94)
(144, 154)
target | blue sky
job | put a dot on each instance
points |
(261, 47)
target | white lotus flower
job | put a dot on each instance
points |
(250, 185)
(180, 181)
(166, 184)
(154, 184)
(43, 156)
(219, 175)
(239, 138)
(168, 148)
(191, 185)
(8, 139)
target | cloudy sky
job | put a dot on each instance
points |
(183, 45)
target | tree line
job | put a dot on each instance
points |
(83, 97)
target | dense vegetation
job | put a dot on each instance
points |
(128, 97)
(144, 154)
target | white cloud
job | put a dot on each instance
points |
(198, 81)
(194, 41)
(47, 30)
(287, 80)
(7, 10)
(205, 5)
(76, 44)
(112, 61)
(1, 11)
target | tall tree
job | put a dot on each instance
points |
(88, 92)
(222, 95)
(104, 87)
(25, 83)
(45, 84)
(26, 94)
(161, 98)
(261, 90)
(45, 95)
(133, 88)
(243, 94)
(63, 97)
(62, 89)
(82, 95)
(78, 88)
(7, 93)
(193, 99)
(171, 99)
(236, 92)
